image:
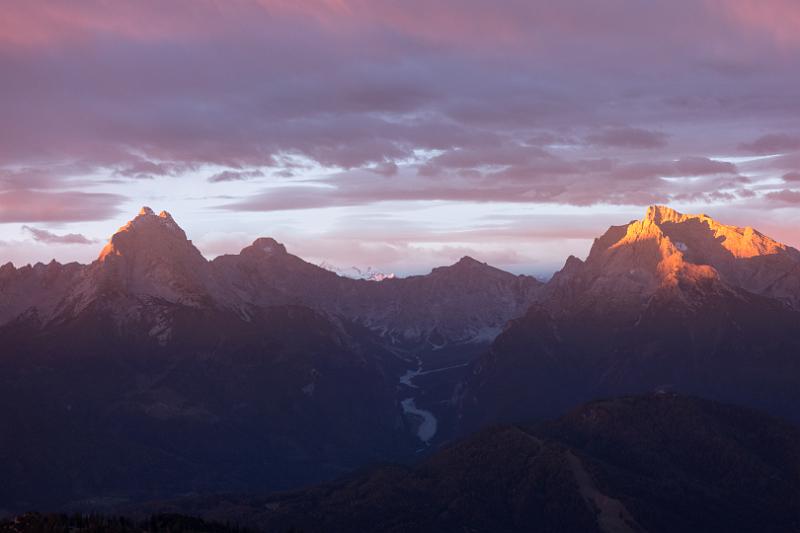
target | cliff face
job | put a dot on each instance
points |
(671, 301)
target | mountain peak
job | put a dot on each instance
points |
(265, 246)
(662, 214)
(667, 248)
(151, 256)
(146, 232)
(468, 261)
(146, 213)
(659, 213)
(465, 264)
(702, 235)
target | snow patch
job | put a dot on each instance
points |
(355, 272)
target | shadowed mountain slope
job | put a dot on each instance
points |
(154, 372)
(648, 311)
(657, 463)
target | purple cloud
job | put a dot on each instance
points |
(235, 175)
(785, 196)
(69, 206)
(628, 138)
(541, 178)
(365, 83)
(42, 235)
(774, 143)
(356, 102)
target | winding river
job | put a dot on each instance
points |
(427, 428)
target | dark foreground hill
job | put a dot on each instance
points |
(650, 463)
(62, 523)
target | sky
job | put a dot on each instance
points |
(397, 135)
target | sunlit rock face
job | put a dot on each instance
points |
(151, 256)
(670, 301)
(742, 257)
(669, 252)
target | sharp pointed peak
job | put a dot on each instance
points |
(659, 214)
(468, 260)
(147, 216)
(572, 262)
(663, 213)
(149, 226)
(147, 213)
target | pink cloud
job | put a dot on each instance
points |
(70, 206)
(45, 236)
(773, 143)
(785, 196)
(703, 166)
(439, 100)
(628, 138)
(235, 175)
(778, 19)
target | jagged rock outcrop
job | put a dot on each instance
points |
(667, 252)
(150, 262)
(670, 301)
(151, 256)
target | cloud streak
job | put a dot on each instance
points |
(48, 237)
(142, 90)
(280, 106)
(628, 138)
(41, 206)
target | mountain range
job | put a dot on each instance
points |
(150, 261)
(153, 372)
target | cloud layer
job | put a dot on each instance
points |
(264, 106)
